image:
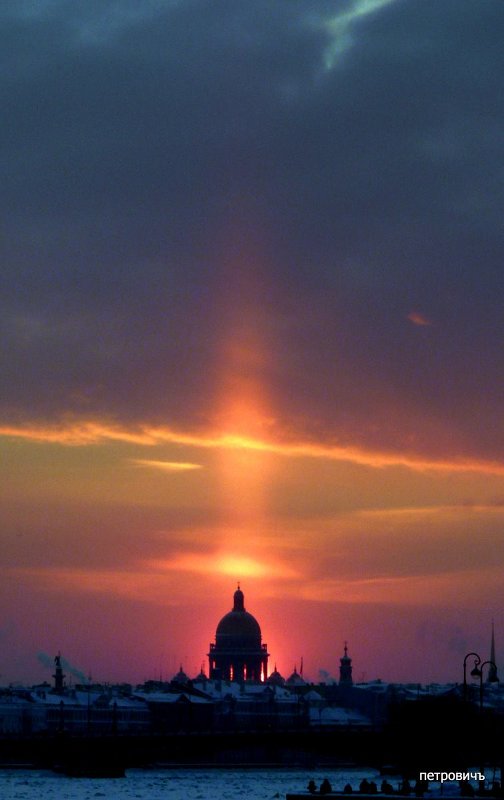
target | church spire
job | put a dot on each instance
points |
(345, 668)
(492, 672)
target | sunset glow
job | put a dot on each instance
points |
(252, 333)
(224, 564)
(86, 433)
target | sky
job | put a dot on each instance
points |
(252, 331)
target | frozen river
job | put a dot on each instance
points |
(187, 784)
(174, 784)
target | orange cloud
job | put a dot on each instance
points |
(87, 433)
(166, 466)
(419, 319)
(233, 564)
(225, 562)
(155, 580)
(136, 585)
(76, 433)
(448, 589)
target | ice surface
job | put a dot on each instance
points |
(187, 784)
(174, 784)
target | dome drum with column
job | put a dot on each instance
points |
(238, 653)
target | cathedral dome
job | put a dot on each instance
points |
(238, 628)
(238, 653)
(276, 679)
(180, 677)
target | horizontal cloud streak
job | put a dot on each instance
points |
(89, 433)
(165, 466)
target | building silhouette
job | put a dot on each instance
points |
(345, 669)
(238, 653)
(59, 677)
(492, 671)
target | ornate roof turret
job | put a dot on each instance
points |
(202, 674)
(295, 679)
(275, 679)
(345, 668)
(239, 600)
(180, 677)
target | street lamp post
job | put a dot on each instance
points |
(475, 672)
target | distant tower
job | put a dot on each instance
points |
(59, 678)
(492, 671)
(345, 669)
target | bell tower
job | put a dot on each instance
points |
(345, 669)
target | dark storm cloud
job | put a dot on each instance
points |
(148, 155)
